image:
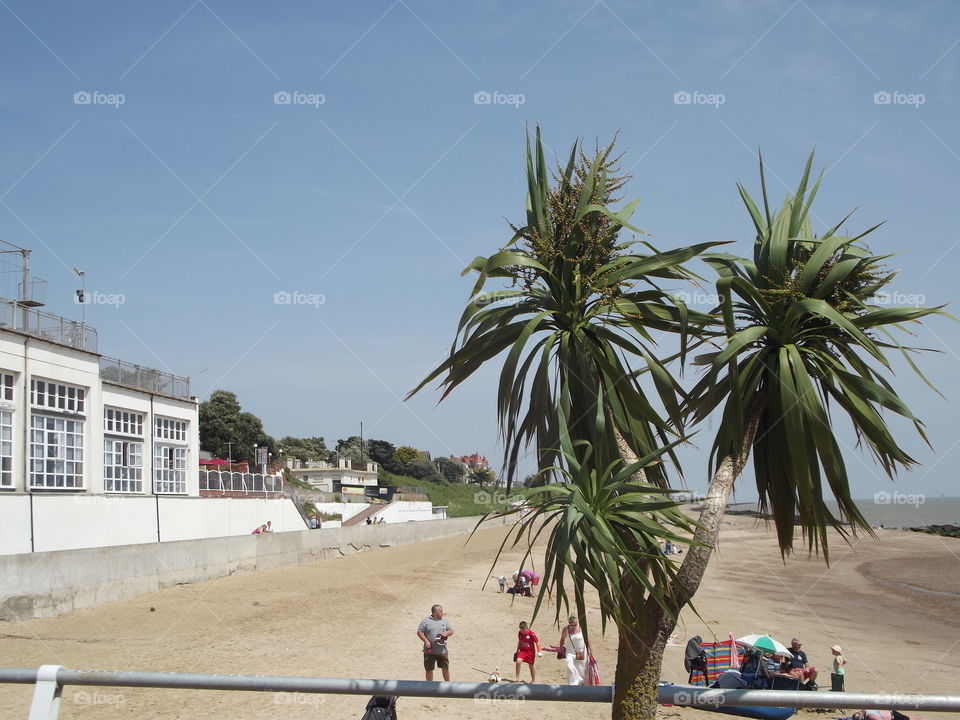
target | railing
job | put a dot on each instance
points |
(49, 681)
(47, 326)
(126, 373)
(235, 482)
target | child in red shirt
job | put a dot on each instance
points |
(528, 650)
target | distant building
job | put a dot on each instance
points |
(474, 461)
(339, 477)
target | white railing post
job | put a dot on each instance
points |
(46, 694)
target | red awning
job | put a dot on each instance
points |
(215, 461)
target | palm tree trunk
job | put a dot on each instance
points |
(641, 645)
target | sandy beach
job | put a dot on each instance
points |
(893, 605)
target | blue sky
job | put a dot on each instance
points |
(150, 144)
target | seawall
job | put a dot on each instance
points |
(44, 584)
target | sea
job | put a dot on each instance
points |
(900, 510)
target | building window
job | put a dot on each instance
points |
(122, 466)
(56, 452)
(170, 429)
(6, 387)
(56, 396)
(6, 448)
(169, 469)
(122, 422)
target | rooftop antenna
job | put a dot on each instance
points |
(82, 299)
(24, 301)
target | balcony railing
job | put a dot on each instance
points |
(47, 326)
(235, 482)
(125, 373)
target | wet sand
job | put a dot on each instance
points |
(357, 617)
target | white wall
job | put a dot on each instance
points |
(15, 524)
(397, 512)
(191, 518)
(404, 511)
(66, 522)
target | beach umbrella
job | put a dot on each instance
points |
(765, 643)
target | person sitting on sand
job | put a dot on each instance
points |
(528, 650)
(801, 668)
(882, 715)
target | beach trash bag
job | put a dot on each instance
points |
(381, 707)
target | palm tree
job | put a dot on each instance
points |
(577, 325)
(800, 326)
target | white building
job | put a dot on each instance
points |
(73, 421)
(345, 476)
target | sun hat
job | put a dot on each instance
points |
(837, 648)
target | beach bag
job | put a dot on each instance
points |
(381, 707)
(562, 654)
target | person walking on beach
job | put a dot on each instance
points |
(577, 651)
(433, 633)
(836, 677)
(528, 650)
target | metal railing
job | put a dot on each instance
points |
(47, 326)
(251, 483)
(138, 376)
(49, 681)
